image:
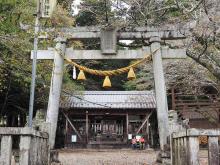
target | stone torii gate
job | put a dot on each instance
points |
(109, 37)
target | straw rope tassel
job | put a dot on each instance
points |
(81, 76)
(107, 82)
(131, 74)
(110, 72)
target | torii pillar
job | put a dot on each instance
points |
(55, 89)
(160, 90)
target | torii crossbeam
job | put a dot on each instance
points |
(109, 38)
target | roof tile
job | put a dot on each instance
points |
(110, 99)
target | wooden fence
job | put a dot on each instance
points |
(33, 146)
(185, 146)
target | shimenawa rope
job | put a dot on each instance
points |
(110, 72)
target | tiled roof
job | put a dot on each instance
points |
(110, 100)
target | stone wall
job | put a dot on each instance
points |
(33, 146)
(176, 124)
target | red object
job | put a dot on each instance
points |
(142, 140)
(134, 141)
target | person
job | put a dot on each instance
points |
(142, 143)
(134, 142)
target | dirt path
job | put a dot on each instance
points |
(107, 157)
(114, 157)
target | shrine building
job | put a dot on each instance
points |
(96, 118)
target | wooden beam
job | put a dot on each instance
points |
(127, 123)
(121, 54)
(144, 122)
(148, 130)
(73, 127)
(110, 113)
(87, 127)
(146, 33)
(66, 135)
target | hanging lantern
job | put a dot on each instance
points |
(107, 82)
(131, 74)
(81, 76)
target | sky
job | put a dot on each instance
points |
(75, 5)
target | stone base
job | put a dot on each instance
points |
(54, 157)
(164, 157)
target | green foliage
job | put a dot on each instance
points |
(16, 44)
(94, 12)
(144, 79)
(15, 63)
(60, 18)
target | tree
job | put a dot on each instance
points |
(93, 12)
(16, 42)
(199, 18)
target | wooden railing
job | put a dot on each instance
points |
(185, 146)
(33, 146)
(182, 102)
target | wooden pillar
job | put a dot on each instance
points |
(178, 151)
(173, 98)
(66, 135)
(6, 150)
(55, 90)
(174, 151)
(87, 127)
(148, 131)
(142, 125)
(160, 89)
(218, 111)
(213, 150)
(127, 123)
(73, 127)
(152, 136)
(185, 151)
(193, 150)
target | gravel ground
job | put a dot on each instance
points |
(115, 157)
(108, 157)
(203, 157)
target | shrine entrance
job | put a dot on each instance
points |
(106, 128)
(110, 119)
(109, 37)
